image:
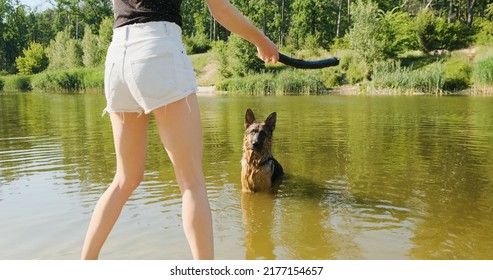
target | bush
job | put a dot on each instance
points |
(485, 24)
(71, 81)
(426, 31)
(33, 61)
(332, 77)
(243, 57)
(2, 84)
(198, 43)
(18, 83)
(357, 70)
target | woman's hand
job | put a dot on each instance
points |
(229, 17)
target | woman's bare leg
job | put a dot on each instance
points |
(180, 128)
(130, 137)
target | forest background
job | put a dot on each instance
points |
(389, 46)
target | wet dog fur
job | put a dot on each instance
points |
(260, 171)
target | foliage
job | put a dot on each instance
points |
(425, 31)
(312, 23)
(198, 43)
(93, 79)
(237, 57)
(221, 50)
(92, 52)
(33, 61)
(483, 71)
(18, 83)
(485, 33)
(64, 52)
(69, 81)
(366, 35)
(14, 33)
(399, 32)
(436, 33)
(2, 84)
(105, 35)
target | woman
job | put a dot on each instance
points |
(147, 71)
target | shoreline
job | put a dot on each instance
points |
(355, 90)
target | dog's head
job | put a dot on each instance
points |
(258, 135)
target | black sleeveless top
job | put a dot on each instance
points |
(141, 11)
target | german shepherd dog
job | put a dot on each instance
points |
(260, 171)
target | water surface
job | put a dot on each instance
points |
(368, 178)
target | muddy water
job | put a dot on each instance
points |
(367, 178)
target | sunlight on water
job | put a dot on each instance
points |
(367, 178)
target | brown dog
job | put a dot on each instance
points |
(260, 172)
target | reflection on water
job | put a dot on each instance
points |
(367, 178)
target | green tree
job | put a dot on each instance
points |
(41, 25)
(33, 61)
(485, 34)
(399, 30)
(15, 35)
(315, 18)
(367, 36)
(105, 34)
(78, 13)
(91, 49)
(64, 52)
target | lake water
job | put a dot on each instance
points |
(379, 177)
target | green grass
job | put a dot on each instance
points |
(17, 83)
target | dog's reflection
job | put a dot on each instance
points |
(258, 220)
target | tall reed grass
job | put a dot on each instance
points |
(286, 82)
(70, 81)
(483, 72)
(17, 83)
(390, 75)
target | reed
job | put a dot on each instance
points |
(391, 75)
(70, 81)
(282, 83)
(483, 72)
(17, 83)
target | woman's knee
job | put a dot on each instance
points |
(125, 185)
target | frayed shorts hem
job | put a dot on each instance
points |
(141, 111)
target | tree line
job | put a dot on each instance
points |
(75, 33)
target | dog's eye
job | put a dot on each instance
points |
(254, 131)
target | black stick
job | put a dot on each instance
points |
(308, 64)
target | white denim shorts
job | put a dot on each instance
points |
(146, 68)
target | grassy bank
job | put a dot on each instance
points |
(468, 71)
(462, 72)
(66, 81)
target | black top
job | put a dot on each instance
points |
(141, 11)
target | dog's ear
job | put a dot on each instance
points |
(249, 118)
(271, 121)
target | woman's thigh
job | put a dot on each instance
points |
(180, 128)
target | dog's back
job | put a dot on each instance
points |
(260, 170)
